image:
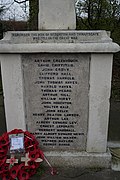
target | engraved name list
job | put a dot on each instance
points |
(54, 113)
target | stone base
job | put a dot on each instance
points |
(79, 159)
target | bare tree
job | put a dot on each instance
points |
(15, 9)
(20, 2)
(33, 12)
(99, 14)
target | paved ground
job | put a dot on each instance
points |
(78, 174)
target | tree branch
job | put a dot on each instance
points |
(20, 2)
(84, 22)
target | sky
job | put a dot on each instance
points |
(14, 11)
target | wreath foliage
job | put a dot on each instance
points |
(19, 171)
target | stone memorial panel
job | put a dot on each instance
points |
(54, 86)
(56, 99)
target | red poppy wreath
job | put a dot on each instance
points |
(20, 167)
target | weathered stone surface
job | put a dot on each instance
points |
(99, 95)
(79, 159)
(13, 91)
(56, 14)
(60, 48)
(56, 99)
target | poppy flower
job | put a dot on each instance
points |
(3, 150)
(34, 155)
(32, 164)
(21, 166)
(2, 161)
(27, 143)
(14, 171)
(4, 168)
(34, 142)
(3, 154)
(4, 141)
(23, 175)
(32, 149)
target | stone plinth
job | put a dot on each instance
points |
(56, 14)
(57, 85)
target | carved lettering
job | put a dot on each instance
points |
(55, 95)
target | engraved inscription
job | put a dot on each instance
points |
(56, 96)
(58, 37)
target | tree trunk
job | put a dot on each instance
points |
(33, 14)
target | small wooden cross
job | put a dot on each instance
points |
(12, 160)
(26, 159)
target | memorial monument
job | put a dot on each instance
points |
(57, 84)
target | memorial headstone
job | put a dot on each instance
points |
(57, 86)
